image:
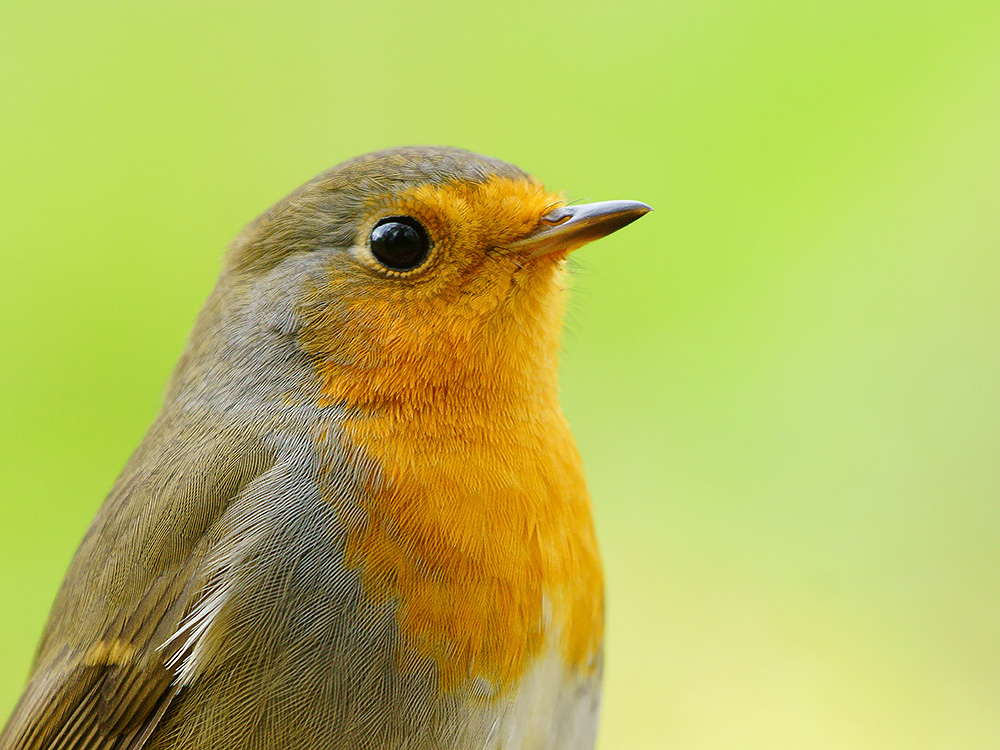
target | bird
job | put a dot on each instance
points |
(360, 519)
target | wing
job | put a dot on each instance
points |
(110, 663)
(112, 693)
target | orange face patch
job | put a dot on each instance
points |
(388, 335)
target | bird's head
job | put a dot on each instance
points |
(413, 272)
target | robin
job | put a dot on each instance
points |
(360, 519)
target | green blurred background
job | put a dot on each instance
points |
(785, 382)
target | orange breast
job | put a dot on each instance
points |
(483, 532)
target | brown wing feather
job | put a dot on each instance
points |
(111, 695)
(104, 678)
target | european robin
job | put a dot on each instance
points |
(360, 519)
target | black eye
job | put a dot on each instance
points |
(399, 243)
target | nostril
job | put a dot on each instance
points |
(558, 216)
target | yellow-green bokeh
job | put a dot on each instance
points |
(785, 382)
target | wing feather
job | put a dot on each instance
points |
(107, 671)
(101, 698)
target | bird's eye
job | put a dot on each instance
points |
(399, 243)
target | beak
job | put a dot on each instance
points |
(570, 227)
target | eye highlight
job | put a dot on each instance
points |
(400, 243)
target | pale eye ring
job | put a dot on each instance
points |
(400, 243)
